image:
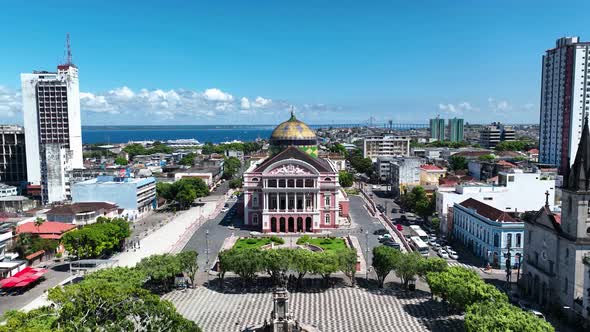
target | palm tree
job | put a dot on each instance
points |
(38, 222)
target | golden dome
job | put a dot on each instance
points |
(292, 129)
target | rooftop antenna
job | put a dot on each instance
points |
(68, 50)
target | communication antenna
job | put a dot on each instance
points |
(68, 50)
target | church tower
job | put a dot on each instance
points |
(576, 191)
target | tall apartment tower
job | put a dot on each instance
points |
(565, 100)
(456, 130)
(13, 161)
(51, 107)
(437, 129)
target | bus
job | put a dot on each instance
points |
(419, 246)
(419, 232)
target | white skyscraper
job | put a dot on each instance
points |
(565, 100)
(51, 108)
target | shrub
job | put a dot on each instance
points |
(277, 239)
(304, 239)
(251, 241)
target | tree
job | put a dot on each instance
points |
(347, 260)
(462, 287)
(338, 148)
(360, 164)
(487, 158)
(345, 179)
(501, 316)
(187, 160)
(96, 305)
(189, 265)
(165, 190)
(325, 263)
(246, 263)
(435, 222)
(121, 161)
(231, 166)
(432, 264)
(132, 277)
(457, 162)
(417, 202)
(408, 266)
(186, 196)
(276, 262)
(384, 261)
(102, 237)
(519, 145)
(38, 222)
(303, 263)
(37, 320)
(236, 183)
(161, 269)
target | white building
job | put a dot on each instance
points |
(51, 108)
(404, 172)
(6, 190)
(565, 73)
(517, 192)
(377, 146)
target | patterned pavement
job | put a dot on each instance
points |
(342, 309)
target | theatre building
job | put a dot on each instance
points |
(293, 190)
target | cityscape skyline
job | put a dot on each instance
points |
(250, 65)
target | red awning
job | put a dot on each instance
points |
(23, 278)
(35, 255)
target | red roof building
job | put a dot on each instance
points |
(47, 230)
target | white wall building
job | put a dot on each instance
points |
(376, 146)
(565, 76)
(6, 190)
(517, 192)
(51, 108)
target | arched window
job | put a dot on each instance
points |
(328, 179)
(327, 218)
(508, 240)
(254, 219)
(255, 201)
(518, 240)
(255, 180)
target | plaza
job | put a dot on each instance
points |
(333, 310)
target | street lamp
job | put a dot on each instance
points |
(207, 250)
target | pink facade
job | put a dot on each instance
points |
(293, 192)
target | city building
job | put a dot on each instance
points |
(488, 232)
(134, 196)
(405, 172)
(516, 191)
(556, 246)
(82, 213)
(293, 190)
(565, 101)
(13, 158)
(490, 136)
(6, 190)
(56, 161)
(456, 130)
(210, 175)
(17, 204)
(383, 167)
(51, 108)
(437, 129)
(430, 174)
(387, 145)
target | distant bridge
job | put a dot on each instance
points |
(386, 125)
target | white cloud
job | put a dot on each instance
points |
(217, 95)
(495, 105)
(261, 102)
(10, 102)
(458, 109)
(244, 103)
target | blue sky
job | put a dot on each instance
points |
(238, 62)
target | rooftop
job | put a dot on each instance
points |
(82, 207)
(428, 167)
(487, 211)
(48, 227)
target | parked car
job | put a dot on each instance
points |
(399, 227)
(453, 254)
(443, 254)
(384, 237)
(435, 244)
(393, 244)
(380, 231)
(224, 209)
(537, 313)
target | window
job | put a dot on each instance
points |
(328, 179)
(254, 219)
(518, 240)
(327, 219)
(496, 240)
(255, 201)
(327, 201)
(508, 240)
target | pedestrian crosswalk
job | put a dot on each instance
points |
(343, 309)
(455, 263)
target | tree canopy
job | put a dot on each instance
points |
(418, 202)
(121, 161)
(457, 163)
(188, 159)
(345, 179)
(487, 157)
(406, 265)
(102, 237)
(520, 145)
(183, 191)
(360, 164)
(501, 316)
(231, 167)
(137, 149)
